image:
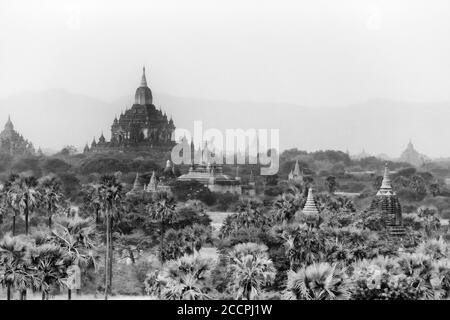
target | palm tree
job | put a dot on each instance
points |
(250, 269)
(317, 282)
(285, 208)
(186, 278)
(10, 202)
(75, 237)
(195, 237)
(50, 263)
(304, 245)
(15, 270)
(50, 190)
(110, 196)
(23, 191)
(92, 200)
(162, 210)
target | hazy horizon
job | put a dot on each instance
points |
(285, 56)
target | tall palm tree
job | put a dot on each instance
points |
(250, 269)
(110, 195)
(10, 202)
(15, 267)
(317, 282)
(162, 210)
(24, 192)
(50, 190)
(92, 200)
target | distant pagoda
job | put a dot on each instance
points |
(140, 128)
(13, 143)
(412, 156)
(387, 202)
(296, 175)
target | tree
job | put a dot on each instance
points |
(187, 278)
(110, 195)
(308, 181)
(192, 190)
(92, 200)
(49, 262)
(75, 236)
(250, 214)
(162, 211)
(304, 244)
(331, 183)
(285, 208)
(15, 269)
(317, 282)
(195, 237)
(50, 190)
(250, 270)
(435, 189)
(10, 201)
(24, 192)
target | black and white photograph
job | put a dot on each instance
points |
(243, 151)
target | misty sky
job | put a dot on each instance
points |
(310, 53)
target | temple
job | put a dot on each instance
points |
(156, 184)
(11, 142)
(310, 207)
(386, 201)
(142, 127)
(295, 175)
(412, 156)
(205, 170)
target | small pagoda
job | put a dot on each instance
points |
(310, 207)
(387, 202)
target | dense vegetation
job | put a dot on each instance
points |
(73, 210)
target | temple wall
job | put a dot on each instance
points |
(237, 189)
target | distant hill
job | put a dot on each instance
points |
(55, 118)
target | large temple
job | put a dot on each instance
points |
(13, 143)
(142, 127)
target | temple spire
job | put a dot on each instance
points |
(297, 169)
(144, 79)
(9, 125)
(386, 186)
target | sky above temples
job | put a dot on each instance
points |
(316, 54)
